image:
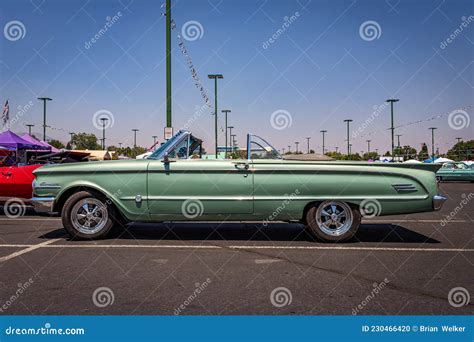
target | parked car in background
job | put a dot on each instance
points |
(456, 171)
(15, 182)
(329, 197)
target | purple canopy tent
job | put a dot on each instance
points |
(45, 145)
(11, 140)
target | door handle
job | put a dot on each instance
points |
(7, 174)
(241, 165)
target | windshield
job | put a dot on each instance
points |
(160, 151)
(182, 145)
(259, 148)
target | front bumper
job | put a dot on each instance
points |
(43, 204)
(438, 201)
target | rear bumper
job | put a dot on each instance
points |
(438, 201)
(43, 204)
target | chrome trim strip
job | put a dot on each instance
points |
(271, 198)
(43, 204)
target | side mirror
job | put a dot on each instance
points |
(166, 159)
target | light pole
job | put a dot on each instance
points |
(44, 99)
(215, 77)
(289, 148)
(458, 139)
(337, 148)
(432, 142)
(283, 150)
(297, 143)
(392, 128)
(230, 136)
(72, 139)
(307, 147)
(168, 64)
(29, 128)
(154, 139)
(398, 140)
(120, 145)
(135, 130)
(368, 146)
(226, 111)
(104, 121)
(324, 132)
(234, 143)
(348, 141)
(350, 149)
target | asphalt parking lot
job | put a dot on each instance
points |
(397, 265)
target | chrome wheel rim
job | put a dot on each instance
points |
(334, 218)
(89, 216)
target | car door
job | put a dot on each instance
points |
(22, 177)
(192, 188)
(5, 182)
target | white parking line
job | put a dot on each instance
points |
(26, 250)
(237, 247)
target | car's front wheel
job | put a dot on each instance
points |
(86, 215)
(333, 221)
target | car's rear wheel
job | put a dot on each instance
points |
(333, 221)
(87, 215)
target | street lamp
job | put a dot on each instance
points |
(307, 140)
(135, 130)
(226, 111)
(392, 128)
(289, 148)
(72, 139)
(230, 136)
(432, 142)
(215, 77)
(368, 145)
(29, 128)
(337, 148)
(398, 138)
(120, 145)
(297, 143)
(324, 132)
(104, 121)
(348, 141)
(44, 99)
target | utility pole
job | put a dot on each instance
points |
(297, 143)
(398, 142)
(230, 136)
(104, 121)
(324, 132)
(368, 146)
(168, 70)
(226, 111)
(215, 77)
(135, 130)
(44, 99)
(432, 142)
(307, 141)
(350, 149)
(392, 128)
(29, 128)
(348, 141)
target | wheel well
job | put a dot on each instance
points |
(58, 206)
(317, 203)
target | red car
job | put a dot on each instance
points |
(15, 182)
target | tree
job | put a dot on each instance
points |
(56, 143)
(463, 150)
(423, 152)
(85, 141)
(370, 155)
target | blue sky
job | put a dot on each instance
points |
(318, 71)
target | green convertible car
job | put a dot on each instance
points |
(453, 171)
(176, 184)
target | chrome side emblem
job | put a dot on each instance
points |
(404, 187)
(138, 198)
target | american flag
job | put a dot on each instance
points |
(6, 113)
